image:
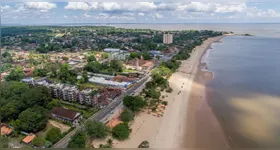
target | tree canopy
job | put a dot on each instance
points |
(4, 141)
(33, 119)
(91, 58)
(96, 129)
(121, 131)
(134, 103)
(16, 97)
(127, 115)
(15, 75)
(78, 140)
(38, 142)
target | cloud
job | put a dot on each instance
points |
(39, 5)
(141, 14)
(111, 6)
(5, 8)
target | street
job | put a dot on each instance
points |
(103, 114)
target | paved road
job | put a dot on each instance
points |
(103, 113)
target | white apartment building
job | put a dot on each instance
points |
(167, 38)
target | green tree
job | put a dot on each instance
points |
(38, 142)
(152, 92)
(53, 135)
(53, 103)
(33, 119)
(121, 131)
(37, 96)
(15, 75)
(96, 129)
(85, 75)
(78, 140)
(147, 56)
(134, 55)
(134, 103)
(104, 55)
(6, 54)
(127, 115)
(40, 72)
(116, 65)
(4, 141)
(91, 58)
(105, 146)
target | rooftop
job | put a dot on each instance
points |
(6, 130)
(29, 138)
(66, 113)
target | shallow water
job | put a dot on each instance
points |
(245, 93)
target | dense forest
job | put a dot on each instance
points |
(26, 108)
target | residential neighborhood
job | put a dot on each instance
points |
(61, 78)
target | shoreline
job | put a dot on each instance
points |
(203, 129)
(166, 131)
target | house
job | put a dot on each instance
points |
(5, 130)
(66, 115)
(28, 139)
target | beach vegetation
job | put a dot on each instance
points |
(165, 103)
(121, 131)
(134, 103)
(127, 115)
(96, 130)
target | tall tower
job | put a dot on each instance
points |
(167, 38)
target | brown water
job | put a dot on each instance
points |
(245, 93)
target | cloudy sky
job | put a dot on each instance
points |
(133, 11)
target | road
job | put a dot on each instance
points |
(105, 112)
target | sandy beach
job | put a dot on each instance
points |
(188, 120)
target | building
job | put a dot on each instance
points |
(56, 90)
(121, 55)
(120, 78)
(5, 130)
(156, 53)
(66, 115)
(88, 97)
(28, 139)
(70, 93)
(109, 50)
(106, 82)
(167, 38)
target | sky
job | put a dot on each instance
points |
(133, 11)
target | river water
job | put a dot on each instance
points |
(245, 93)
